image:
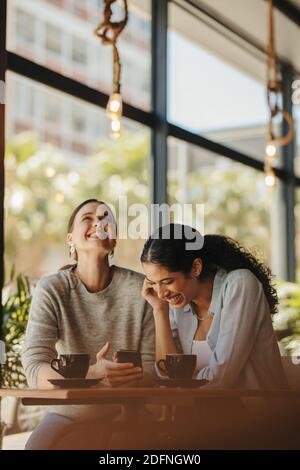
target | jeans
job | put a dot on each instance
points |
(57, 432)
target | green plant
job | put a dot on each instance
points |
(15, 316)
(287, 321)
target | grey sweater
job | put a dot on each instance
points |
(66, 318)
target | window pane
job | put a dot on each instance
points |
(236, 201)
(58, 155)
(79, 51)
(53, 39)
(25, 25)
(210, 95)
(59, 34)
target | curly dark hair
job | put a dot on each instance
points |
(217, 251)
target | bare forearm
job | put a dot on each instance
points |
(164, 340)
(46, 372)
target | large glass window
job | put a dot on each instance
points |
(236, 201)
(210, 95)
(51, 168)
(60, 35)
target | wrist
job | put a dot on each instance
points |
(161, 311)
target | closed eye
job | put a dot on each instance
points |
(166, 282)
(101, 217)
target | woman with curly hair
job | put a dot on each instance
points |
(213, 298)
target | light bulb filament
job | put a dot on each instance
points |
(271, 149)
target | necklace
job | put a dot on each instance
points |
(194, 309)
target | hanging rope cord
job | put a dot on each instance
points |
(108, 31)
(274, 88)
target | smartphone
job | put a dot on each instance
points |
(127, 355)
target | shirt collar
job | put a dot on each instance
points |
(218, 282)
(217, 285)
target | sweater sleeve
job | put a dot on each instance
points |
(243, 310)
(147, 341)
(41, 334)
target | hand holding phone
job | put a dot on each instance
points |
(128, 355)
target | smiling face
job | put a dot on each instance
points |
(94, 230)
(175, 287)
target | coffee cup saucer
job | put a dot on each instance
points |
(74, 382)
(185, 383)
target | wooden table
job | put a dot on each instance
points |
(211, 402)
(149, 395)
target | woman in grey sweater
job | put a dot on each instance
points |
(212, 298)
(88, 307)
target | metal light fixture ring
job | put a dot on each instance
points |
(274, 98)
(285, 139)
(273, 94)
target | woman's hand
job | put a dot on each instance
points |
(115, 373)
(152, 298)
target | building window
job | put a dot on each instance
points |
(24, 100)
(53, 39)
(52, 110)
(79, 51)
(78, 119)
(64, 42)
(25, 26)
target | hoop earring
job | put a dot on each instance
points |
(72, 250)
